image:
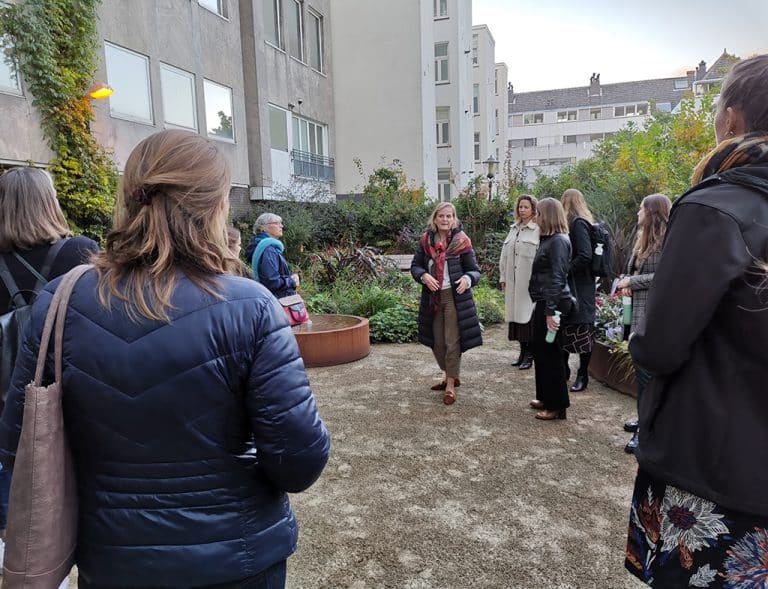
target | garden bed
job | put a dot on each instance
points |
(611, 370)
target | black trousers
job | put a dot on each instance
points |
(551, 384)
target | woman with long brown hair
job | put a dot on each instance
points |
(699, 514)
(446, 267)
(579, 327)
(652, 218)
(175, 371)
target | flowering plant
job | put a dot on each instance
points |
(608, 318)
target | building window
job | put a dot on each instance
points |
(534, 118)
(278, 128)
(216, 6)
(315, 41)
(642, 109)
(441, 8)
(595, 113)
(477, 146)
(179, 105)
(496, 122)
(567, 115)
(569, 139)
(128, 74)
(444, 184)
(441, 62)
(308, 154)
(218, 111)
(596, 137)
(530, 142)
(476, 99)
(475, 44)
(295, 27)
(443, 117)
(496, 82)
(272, 22)
(9, 71)
(681, 84)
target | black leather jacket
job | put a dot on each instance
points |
(549, 277)
(704, 416)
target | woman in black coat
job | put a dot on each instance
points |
(699, 514)
(446, 267)
(549, 291)
(579, 327)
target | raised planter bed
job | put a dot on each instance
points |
(604, 367)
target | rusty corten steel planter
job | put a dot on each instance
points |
(333, 339)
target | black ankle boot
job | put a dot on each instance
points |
(581, 382)
(525, 351)
(632, 444)
(520, 359)
(527, 361)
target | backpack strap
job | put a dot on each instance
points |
(10, 284)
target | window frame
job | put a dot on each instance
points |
(214, 136)
(476, 144)
(476, 99)
(13, 67)
(320, 24)
(437, 6)
(444, 185)
(443, 127)
(595, 111)
(475, 49)
(150, 103)
(439, 60)
(565, 116)
(531, 118)
(277, 5)
(299, 6)
(192, 78)
(222, 11)
(530, 142)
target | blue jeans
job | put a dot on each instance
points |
(271, 578)
(5, 489)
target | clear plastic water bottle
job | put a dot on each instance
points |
(550, 337)
(627, 303)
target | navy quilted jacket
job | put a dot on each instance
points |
(186, 435)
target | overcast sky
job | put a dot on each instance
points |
(551, 44)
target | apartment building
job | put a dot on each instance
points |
(258, 87)
(403, 91)
(489, 101)
(552, 128)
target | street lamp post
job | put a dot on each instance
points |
(490, 165)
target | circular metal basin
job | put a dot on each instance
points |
(333, 339)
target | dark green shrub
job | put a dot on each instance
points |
(490, 304)
(396, 324)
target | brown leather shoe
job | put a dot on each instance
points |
(549, 415)
(449, 398)
(536, 404)
(441, 385)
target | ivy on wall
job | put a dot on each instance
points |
(54, 43)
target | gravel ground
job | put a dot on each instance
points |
(478, 494)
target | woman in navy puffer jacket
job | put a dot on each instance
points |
(186, 402)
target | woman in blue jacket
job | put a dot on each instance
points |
(186, 402)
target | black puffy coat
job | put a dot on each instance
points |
(163, 418)
(458, 266)
(581, 279)
(549, 275)
(704, 415)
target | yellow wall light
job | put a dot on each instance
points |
(99, 91)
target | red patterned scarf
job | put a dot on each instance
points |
(744, 150)
(457, 245)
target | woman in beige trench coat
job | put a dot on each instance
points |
(515, 265)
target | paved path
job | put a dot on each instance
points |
(479, 494)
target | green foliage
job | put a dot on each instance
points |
(636, 162)
(490, 303)
(54, 42)
(396, 324)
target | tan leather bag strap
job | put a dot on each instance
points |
(57, 312)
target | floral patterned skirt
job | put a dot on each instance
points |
(677, 539)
